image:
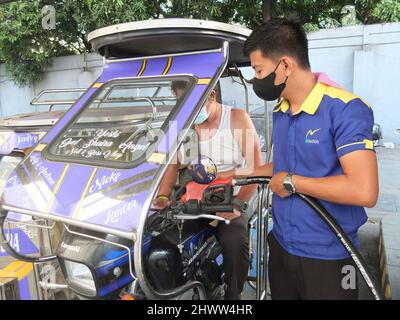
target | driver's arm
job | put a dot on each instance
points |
(164, 190)
(258, 168)
(247, 138)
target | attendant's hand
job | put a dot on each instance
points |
(276, 184)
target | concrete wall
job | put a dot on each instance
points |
(366, 61)
(363, 59)
(66, 72)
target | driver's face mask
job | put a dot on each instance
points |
(202, 116)
(266, 89)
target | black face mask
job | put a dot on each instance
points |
(266, 89)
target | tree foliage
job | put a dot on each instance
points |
(27, 48)
(387, 11)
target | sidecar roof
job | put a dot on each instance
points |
(166, 36)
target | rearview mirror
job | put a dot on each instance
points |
(203, 171)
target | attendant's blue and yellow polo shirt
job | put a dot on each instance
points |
(330, 123)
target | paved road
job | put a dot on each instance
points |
(389, 181)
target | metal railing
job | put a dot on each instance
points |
(51, 103)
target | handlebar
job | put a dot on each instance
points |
(199, 216)
(193, 210)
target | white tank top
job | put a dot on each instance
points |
(222, 147)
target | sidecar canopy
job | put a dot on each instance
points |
(166, 36)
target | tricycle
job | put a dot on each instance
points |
(98, 178)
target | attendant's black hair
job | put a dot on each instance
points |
(278, 37)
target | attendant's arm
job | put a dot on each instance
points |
(358, 185)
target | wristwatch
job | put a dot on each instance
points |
(288, 184)
(242, 205)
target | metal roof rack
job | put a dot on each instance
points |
(53, 102)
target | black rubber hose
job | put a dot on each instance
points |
(337, 230)
(347, 243)
(251, 180)
(212, 208)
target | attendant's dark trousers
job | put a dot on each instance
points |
(298, 278)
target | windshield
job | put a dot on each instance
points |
(123, 122)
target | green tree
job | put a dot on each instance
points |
(387, 11)
(27, 48)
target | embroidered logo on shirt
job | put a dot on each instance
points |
(311, 133)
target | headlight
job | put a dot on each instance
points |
(7, 166)
(80, 278)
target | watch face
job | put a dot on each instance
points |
(288, 187)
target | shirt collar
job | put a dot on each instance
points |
(312, 102)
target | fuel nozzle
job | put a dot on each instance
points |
(197, 207)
